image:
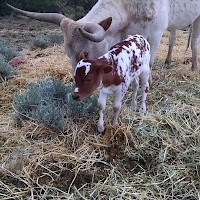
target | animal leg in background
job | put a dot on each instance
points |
(172, 42)
(194, 43)
(154, 41)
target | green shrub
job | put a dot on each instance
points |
(40, 41)
(74, 12)
(56, 38)
(7, 51)
(44, 41)
(6, 71)
(50, 103)
(80, 7)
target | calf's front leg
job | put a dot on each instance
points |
(102, 106)
(117, 102)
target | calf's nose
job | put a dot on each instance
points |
(75, 97)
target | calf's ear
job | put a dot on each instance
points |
(106, 69)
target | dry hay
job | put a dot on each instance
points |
(155, 156)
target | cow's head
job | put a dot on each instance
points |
(88, 76)
(78, 35)
(87, 38)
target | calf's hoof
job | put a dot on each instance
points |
(101, 128)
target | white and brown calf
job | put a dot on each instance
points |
(112, 73)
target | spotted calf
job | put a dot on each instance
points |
(112, 73)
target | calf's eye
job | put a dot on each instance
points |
(88, 80)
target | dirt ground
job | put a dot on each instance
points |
(19, 31)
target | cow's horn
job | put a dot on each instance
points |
(54, 18)
(93, 32)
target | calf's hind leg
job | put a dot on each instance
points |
(134, 96)
(145, 87)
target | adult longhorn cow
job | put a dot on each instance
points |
(110, 21)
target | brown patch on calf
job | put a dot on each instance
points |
(118, 80)
(117, 48)
(134, 63)
(112, 78)
(139, 45)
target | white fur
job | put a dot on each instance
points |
(76, 89)
(85, 64)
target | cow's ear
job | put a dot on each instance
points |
(82, 55)
(106, 23)
(106, 69)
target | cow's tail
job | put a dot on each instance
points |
(189, 37)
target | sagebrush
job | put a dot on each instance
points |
(43, 41)
(6, 71)
(7, 50)
(50, 102)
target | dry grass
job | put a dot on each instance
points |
(155, 156)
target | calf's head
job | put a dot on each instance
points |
(88, 77)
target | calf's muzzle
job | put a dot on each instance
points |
(76, 97)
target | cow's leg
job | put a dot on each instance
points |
(172, 42)
(145, 87)
(102, 106)
(154, 41)
(117, 103)
(134, 96)
(194, 43)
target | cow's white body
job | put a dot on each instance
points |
(130, 16)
